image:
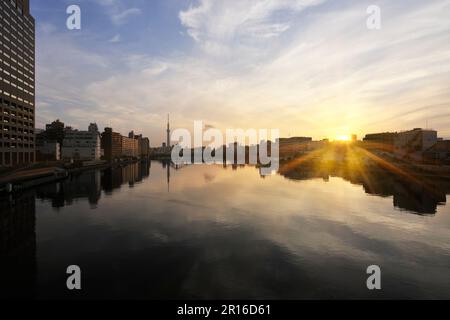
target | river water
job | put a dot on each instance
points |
(155, 231)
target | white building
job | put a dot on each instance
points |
(81, 145)
(415, 142)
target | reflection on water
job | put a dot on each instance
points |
(422, 197)
(157, 231)
(18, 246)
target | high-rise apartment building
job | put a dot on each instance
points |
(17, 83)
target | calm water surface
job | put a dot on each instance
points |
(154, 232)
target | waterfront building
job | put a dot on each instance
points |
(417, 140)
(111, 144)
(48, 151)
(294, 140)
(17, 83)
(412, 144)
(386, 138)
(130, 147)
(55, 131)
(81, 145)
(143, 145)
(294, 145)
(439, 153)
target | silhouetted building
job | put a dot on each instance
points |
(295, 140)
(386, 138)
(48, 151)
(93, 128)
(54, 131)
(17, 87)
(295, 145)
(143, 145)
(439, 153)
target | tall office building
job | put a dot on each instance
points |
(17, 83)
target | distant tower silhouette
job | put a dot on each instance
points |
(168, 131)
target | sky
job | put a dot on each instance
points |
(306, 67)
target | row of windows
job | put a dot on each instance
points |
(29, 47)
(13, 76)
(14, 158)
(28, 66)
(15, 107)
(23, 19)
(16, 6)
(28, 43)
(18, 71)
(14, 145)
(16, 115)
(22, 33)
(15, 121)
(23, 55)
(16, 85)
(8, 129)
(13, 96)
(16, 138)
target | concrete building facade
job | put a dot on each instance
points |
(111, 144)
(417, 140)
(17, 83)
(130, 147)
(413, 144)
(439, 153)
(116, 146)
(81, 145)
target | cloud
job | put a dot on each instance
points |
(220, 21)
(123, 16)
(118, 11)
(305, 67)
(115, 39)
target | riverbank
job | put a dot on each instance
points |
(25, 178)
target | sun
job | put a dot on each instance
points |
(342, 138)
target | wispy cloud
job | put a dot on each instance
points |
(225, 23)
(306, 67)
(123, 16)
(119, 11)
(115, 39)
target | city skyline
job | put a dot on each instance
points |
(306, 67)
(219, 158)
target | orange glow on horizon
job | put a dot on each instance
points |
(343, 138)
